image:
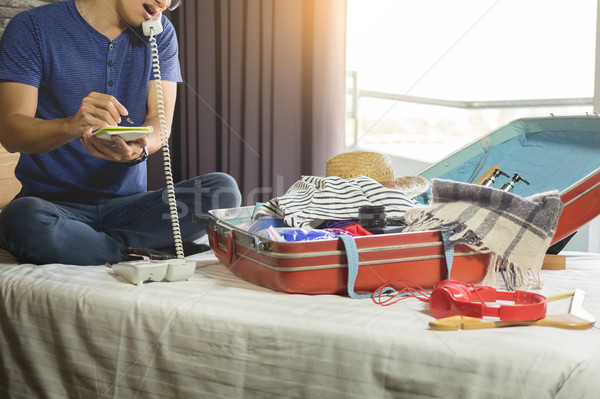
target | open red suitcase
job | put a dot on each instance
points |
(561, 153)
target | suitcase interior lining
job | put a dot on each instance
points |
(548, 160)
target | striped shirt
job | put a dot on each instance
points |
(313, 200)
(53, 48)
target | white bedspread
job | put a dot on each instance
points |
(82, 332)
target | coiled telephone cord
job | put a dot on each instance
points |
(165, 150)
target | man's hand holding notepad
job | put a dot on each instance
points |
(126, 132)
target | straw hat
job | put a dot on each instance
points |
(378, 167)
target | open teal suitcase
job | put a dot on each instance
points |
(554, 153)
(561, 153)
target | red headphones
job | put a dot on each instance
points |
(452, 298)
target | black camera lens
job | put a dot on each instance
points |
(371, 216)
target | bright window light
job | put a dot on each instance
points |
(422, 69)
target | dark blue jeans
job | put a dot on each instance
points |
(40, 231)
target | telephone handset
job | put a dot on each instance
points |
(136, 272)
(152, 26)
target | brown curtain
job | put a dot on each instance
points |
(263, 92)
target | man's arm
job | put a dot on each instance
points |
(169, 89)
(21, 131)
(122, 151)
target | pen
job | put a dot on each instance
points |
(128, 119)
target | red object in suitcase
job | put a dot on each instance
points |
(557, 153)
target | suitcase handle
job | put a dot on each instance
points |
(229, 246)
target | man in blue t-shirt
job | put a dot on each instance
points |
(67, 69)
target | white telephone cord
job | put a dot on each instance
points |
(165, 150)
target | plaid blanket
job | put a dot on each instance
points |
(516, 230)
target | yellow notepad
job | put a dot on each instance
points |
(128, 133)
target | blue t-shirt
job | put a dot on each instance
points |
(54, 49)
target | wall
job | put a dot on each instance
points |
(9, 183)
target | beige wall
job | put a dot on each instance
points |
(9, 185)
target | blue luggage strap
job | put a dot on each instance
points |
(352, 259)
(448, 250)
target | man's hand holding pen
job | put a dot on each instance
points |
(98, 110)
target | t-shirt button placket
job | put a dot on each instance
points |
(110, 82)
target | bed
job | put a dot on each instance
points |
(82, 332)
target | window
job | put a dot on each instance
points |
(427, 77)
